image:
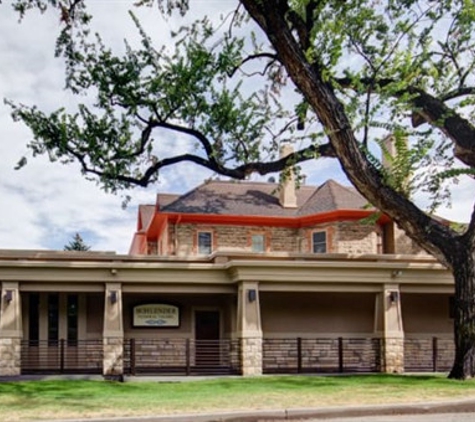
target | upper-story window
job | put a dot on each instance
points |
(319, 242)
(258, 243)
(205, 243)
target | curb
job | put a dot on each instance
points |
(462, 406)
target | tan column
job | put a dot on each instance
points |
(388, 312)
(113, 335)
(249, 328)
(11, 332)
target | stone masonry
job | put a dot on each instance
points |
(251, 358)
(393, 355)
(10, 351)
(113, 357)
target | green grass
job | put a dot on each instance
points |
(49, 400)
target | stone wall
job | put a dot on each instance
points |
(352, 237)
(356, 238)
(428, 354)
(10, 353)
(393, 355)
(321, 355)
(251, 356)
(405, 245)
(232, 238)
(113, 356)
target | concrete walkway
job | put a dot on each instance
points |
(456, 406)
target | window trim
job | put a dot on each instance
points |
(211, 246)
(264, 242)
(312, 241)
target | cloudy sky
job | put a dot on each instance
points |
(44, 204)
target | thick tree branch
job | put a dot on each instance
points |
(240, 172)
(434, 111)
(431, 234)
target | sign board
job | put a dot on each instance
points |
(156, 315)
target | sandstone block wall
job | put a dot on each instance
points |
(251, 356)
(113, 357)
(10, 353)
(321, 355)
(427, 354)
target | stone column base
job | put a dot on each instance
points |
(113, 364)
(393, 355)
(10, 357)
(251, 356)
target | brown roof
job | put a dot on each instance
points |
(262, 199)
(163, 199)
(331, 196)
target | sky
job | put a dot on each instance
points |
(44, 204)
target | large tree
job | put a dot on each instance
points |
(333, 77)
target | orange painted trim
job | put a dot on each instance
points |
(139, 244)
(160, 219)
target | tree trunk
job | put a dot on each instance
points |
(464, 315)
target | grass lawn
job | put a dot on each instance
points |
(49, 400)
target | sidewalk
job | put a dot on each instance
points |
(456, 406)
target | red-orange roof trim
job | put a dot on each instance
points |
(160, 219)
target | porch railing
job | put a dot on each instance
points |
(181, 356)
(61, 357)
(428, 354)
(297, 355)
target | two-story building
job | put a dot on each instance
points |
(233, 277)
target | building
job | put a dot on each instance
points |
(233, 277)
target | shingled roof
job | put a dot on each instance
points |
(261, 199)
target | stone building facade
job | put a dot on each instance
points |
(245, 278)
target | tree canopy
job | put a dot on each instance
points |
(333, 78)
(77, 244)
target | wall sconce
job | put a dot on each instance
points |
(394, 297)
(113, 271)
(396, 274)
(113, 296)
(8, 295)
(251, 295)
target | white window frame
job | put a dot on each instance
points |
(320, 243)
(199, 247)
(262, 245)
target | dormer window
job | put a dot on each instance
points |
(205, 243)
(319, 242)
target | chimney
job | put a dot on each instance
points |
(388, 151)
(287, 198)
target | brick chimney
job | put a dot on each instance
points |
(287, 199)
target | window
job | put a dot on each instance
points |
(258, 243)
(205, 243)
(72, 309)
(53, 319)
(319, 242)
(34, 318)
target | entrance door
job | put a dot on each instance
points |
(207, 331)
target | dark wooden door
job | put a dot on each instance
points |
(207, 330)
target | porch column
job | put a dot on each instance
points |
(249, 328)
(389, 319)
(113, 335)
(11, 332)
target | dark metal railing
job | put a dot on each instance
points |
(298, 355)
(181, 356)
(428, 354)
(61, 357)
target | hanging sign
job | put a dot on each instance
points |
(156, 315)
